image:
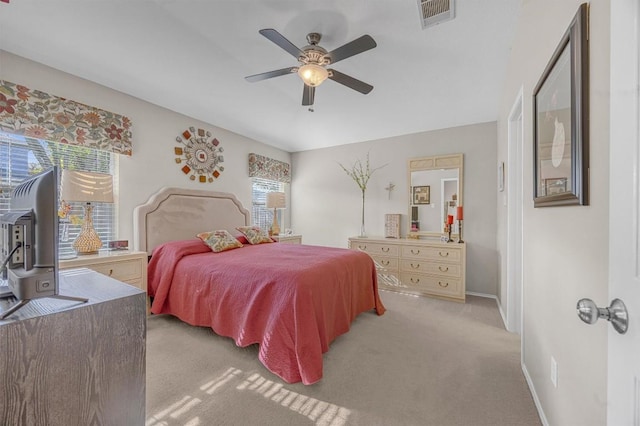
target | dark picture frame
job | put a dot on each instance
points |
(561, 121)
(422, 194)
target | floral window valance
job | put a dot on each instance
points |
(38, 115)
(268, 168)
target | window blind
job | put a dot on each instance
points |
(22, 157)
(260, 214)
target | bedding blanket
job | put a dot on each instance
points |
(292, 300)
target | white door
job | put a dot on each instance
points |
(623, 405)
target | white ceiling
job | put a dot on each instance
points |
(191, 56)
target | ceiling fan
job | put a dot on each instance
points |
(314, 60)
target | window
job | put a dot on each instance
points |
(261, 216)
(22, 157)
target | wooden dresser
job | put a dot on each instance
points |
(424, 267)
(70, 363)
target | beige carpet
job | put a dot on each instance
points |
(424, 362)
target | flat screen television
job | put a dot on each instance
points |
(30, 231)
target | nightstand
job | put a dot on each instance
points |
(287, 239)
(123, 265)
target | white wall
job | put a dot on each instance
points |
(565, 248)
(152, 164)
(326, 203)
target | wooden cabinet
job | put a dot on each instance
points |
(70, 363)
(288, 239)
(126, 266)
(423, 267)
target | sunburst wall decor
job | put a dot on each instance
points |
(200, 155)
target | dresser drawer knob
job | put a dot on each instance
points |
(385, 249)
(443, 270)
(362, 247)
(415, 281)
(443, 285)
(415, 266)
(385, 262)
(415, 251)
(446, 254)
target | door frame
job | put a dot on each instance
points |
(623, 367)
(515, 165)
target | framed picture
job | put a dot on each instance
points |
(422, 195)
(561, 121)
(555, 186)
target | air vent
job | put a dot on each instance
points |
(433, 12)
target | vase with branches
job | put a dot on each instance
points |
(361, 173)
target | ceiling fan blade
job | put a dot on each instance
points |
(354, 47)
(350, 82)
(308, 93)
(281, 41)
(270, 74)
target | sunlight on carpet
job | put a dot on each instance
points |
(321, 412)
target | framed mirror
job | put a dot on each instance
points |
(435, 190)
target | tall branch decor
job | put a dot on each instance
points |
(361, 173)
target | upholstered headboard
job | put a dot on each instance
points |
(178, 214)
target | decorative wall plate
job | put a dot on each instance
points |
(200, 156)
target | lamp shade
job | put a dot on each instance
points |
(276, 200)
(86, 187)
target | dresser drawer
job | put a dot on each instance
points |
(430, 267)
(379, 249)
(444, 253)
(390, 280)
(127, 270)
(388, 263)
(445, 286)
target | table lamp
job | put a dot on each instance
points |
(86, 187)
(275, 200)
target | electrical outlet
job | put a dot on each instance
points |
(554, 372)
(18, 237)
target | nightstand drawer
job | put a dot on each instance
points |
(287, 239)
(127, 270)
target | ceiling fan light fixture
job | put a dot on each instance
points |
(312, 74)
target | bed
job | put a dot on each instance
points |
(292, 300)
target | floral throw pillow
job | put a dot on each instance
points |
(255, 235)
(219, 240)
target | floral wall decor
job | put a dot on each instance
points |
(39, 115)
(199, 156)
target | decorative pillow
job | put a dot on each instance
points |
(242, 239)
(219, 240)
(255, 235)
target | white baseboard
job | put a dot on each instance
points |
(487, 295)
(536, 400)
(503, 315)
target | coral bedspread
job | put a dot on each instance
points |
(292, 300)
